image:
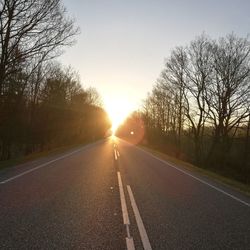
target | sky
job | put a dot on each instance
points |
(123, 43)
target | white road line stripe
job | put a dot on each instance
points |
(198, 179)
(139, 222)
(123, 201)
(118, 154)
(129, 239)
(40, 166)
(130, 243)
(128, 231)
(115, 155)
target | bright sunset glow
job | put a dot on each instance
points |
(118, 109)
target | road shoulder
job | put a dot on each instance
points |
(237, 186)
(30, 164)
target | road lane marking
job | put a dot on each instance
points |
(130, 243)
(123, 201)
(43, 165)
(139, 222)
(129, 240)
(198, 179)
(126, 222)
(115, 155)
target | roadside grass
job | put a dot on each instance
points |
(245, 189)
(37, 155)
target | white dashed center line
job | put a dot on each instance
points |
(129, 239)
(115, 155)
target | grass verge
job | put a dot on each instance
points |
(245, 189)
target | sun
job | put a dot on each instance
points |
(118, 110)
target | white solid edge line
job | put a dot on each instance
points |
(130, 243)
(139, 222)
(42, 165)
(123, 201)
(196, 178)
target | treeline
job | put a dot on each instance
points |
(42, 104)
(199, 109)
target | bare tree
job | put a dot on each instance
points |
(31, 33)
(198, 72)
(175, 76)
(208, 83)
(31, 30)
(228, 98)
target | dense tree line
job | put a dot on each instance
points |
(199, 109)
(42, 104)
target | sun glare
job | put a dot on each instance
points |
(117, 110)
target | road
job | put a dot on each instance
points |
(114, 195)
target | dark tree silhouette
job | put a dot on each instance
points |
(42, 104)
(199, 108)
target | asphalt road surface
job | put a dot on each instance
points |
(113, 195)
